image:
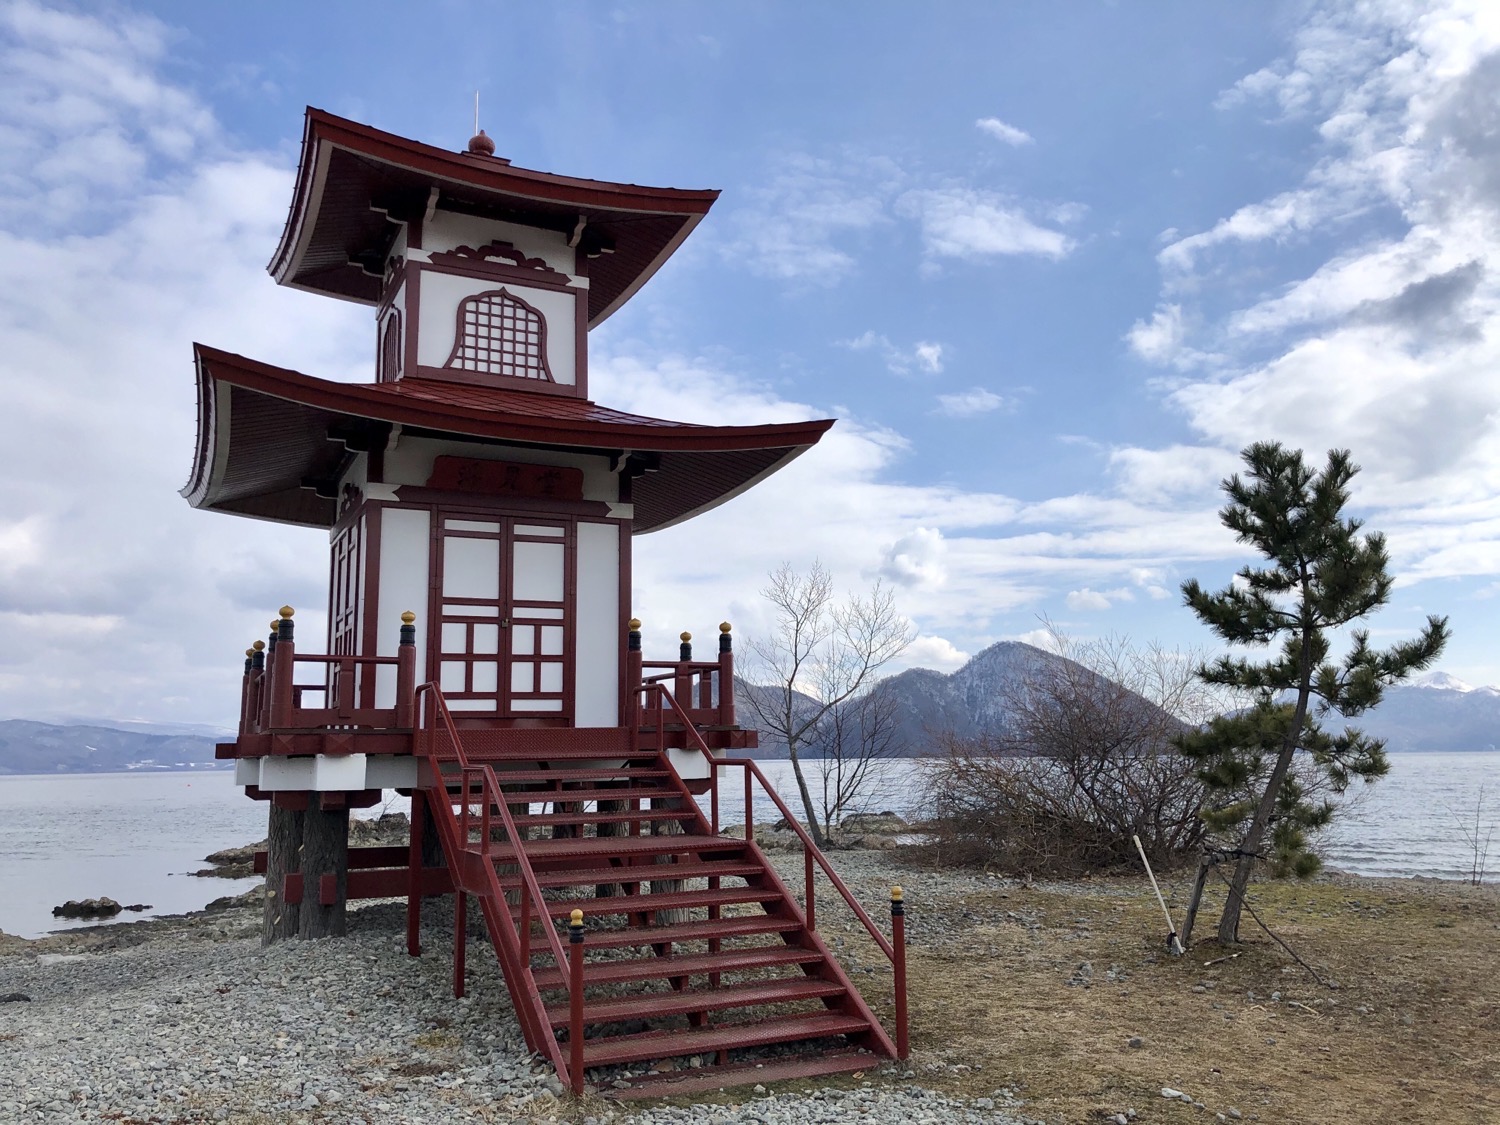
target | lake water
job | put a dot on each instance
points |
(134, 836)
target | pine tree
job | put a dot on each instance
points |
(1321, 575)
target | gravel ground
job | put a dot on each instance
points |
(188, 1020)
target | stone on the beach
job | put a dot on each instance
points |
(87, 908)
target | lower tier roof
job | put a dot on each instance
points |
(270, 439)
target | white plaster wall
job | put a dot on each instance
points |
(404, 550)
(596, 667)
(448, 230)
(411, 463)
(442, 292)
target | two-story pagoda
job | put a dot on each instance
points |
(480, 508)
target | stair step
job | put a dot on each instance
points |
(611, 1050)
(618, 845)
(745, 925)
(558, 752)
(598, 773)
(652, 1004)
(563, 818)
(637, 873)
(699, 1080)
(681, 965)
(674, 900)
(516, 795)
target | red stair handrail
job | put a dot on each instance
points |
(809, 848)
(491, 794)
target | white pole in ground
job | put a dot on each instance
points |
(1172, 943)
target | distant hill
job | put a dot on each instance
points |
(1442, 715)
(27, 747)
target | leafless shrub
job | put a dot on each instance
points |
(1083, 762)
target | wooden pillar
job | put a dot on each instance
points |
(667, 886)
(281, 919)
(325, 870)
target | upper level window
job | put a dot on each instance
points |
(500, 334)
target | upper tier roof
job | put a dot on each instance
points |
(266, 437)
(351, 177)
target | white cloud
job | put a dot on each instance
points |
(937, 653)
(1087, 599)
(1006, 134)
(924, 357)
(1387, 343)
(967, 404)
(1160, 339)
(1174, 474)
(916, 559)
(806, 224)
(967, 223)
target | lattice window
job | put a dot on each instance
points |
(500, 334)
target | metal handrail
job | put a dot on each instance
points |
(491, 794)
(810, 849)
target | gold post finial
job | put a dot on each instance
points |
(258, 645)
(635, 624)
(897, 894)
(249, 652)
(408, 617)
(287, 612)
(576, 918)
(685, 636)
(724, 627)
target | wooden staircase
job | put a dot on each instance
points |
(691, 955)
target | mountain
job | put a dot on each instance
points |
(1426, 716)
(966, 703)
(28, 747)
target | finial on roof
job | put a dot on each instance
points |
(481, 145)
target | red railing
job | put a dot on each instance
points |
(813, 856)
(477, 874)
(271, 698)
(704, 689)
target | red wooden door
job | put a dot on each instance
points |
(503, 601)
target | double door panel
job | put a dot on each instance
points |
(504, 605)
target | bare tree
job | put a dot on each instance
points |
(1083, 761)
(855, 745)
(821, 652)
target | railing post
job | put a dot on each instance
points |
(406, 671)
(460, 939)
(682, 684)
(898, 966)
(807, 863)
(245, 691)
(575, 1001)
(633, 674)
(263, 713)
(726, 676)
(282, 695)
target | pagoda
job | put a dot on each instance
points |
(480, 654)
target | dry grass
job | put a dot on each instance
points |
(1412, 1033)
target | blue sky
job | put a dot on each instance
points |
(1051, 266)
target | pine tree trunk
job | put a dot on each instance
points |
(1229, 921)
(283, 857)
(325, 851)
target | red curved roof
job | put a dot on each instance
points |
(351, 177)
(264, 439)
